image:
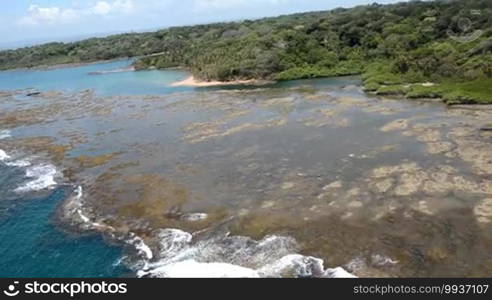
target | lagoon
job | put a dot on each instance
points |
(93, 76)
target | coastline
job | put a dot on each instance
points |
(191, 81)
(63, 66)
(84, 214)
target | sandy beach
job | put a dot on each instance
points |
(193, 82)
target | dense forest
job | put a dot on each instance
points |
(418, 49)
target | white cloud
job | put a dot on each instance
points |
(223, 4)
(50, 15)
(124, 6)
(116, 7)
(219, 3)
(101, 8)
(37, 15)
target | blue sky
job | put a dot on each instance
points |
(33, 21)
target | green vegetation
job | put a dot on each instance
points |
(95, 49)
(472, 92)
(476, 91)
(396, 48)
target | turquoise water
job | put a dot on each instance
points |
(121, 82)
(83, 77)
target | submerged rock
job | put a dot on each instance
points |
(483, 211)
(439, 147)
(288, 185)
(409, 183)
(195, 217)
(334, 185)
(400, 124)
(384, 185)
(386, 171)
(295, 179)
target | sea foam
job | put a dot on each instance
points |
(4, 134)
(3, 155)
(20, 163)
(193, 269)
(77, 198)
(194, 217)
(43, 177)
(79, 214)
(141, 247)
(339, 272)
(218, 255)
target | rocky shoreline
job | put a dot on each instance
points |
(449, 159)
(66, 65)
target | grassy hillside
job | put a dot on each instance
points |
(396, 48)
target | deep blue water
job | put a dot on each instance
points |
(32, 246)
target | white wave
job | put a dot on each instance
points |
(367, 265)
(21, 163)
(43, 178)
(379, 260)
(176, 253)
(78, 192)
(74, 210)
(194, 217)
(3, 155)
(339, 272)
(173, 243)
(119, 261)
(142, 248)
(77, 201)
(74, 206)
(4, 134)
(84, 218)
(294, 265)
(193, 269)
(180, 254)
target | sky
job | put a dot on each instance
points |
(24, 22)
